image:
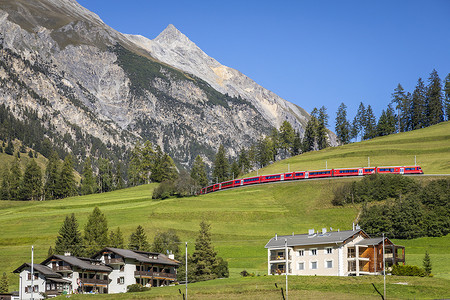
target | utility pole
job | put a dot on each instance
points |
(287, 266)
(368, 161)
(186, 271)
(326, 165)
(415, 161)
(384, 271)
(288, 168)
(32, 272)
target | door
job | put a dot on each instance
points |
(306, 175)
(360, 172)
(402, 171)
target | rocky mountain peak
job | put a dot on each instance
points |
(172, 35)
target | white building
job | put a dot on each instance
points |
(109, 271)
(335, 253)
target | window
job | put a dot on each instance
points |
(329, 250)
(313, 265)
(313, 252)
(301, 266)
(121, 280)
(329, 264)
(301, 252)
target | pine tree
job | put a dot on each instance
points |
(435, 112)
(427, 264)
(88, 183)
(51, 176)
(447, 97)
(138, 240)
(9, 148)
(297, 145)
(264, 152)
(370, 128)
(221, 167)
(391, 120)
(147, 162)
(204, 256)
(198, 172)
(322, 138)
(69, 238)
(116, 239)
(167, 241)
(50, 251)
(135, 165)
(5, 187)
(31, 188)
(66, 184)
(360, 121)
(276, 143)
(235, 170)
(95, 232)
(119, 183)
(105, 175)
(418, 106)
(354, 129)
(342, 127)
(399, 99)
(15, 180)
(4, 285)
(169, 170)
(244, 161)
(309, 139)
(287, 136)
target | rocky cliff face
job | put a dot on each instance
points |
(85, 80)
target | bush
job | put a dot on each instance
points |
(164, 190)
(400, 270)
(134, 288)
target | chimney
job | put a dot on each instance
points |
(324, 230)
(171, 256)
(311, 231)
(331, 228)
(292, 233)
(276, 237)
(353, 226)
(358, 227)
(67, 254)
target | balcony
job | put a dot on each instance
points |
(94, 281)
(61, 268)
(111, 261)
(154, 274)
(279, 257)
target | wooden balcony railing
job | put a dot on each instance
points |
(94, 281)
(61, 268)
(279, 257)
(118, 260)
(155, 274)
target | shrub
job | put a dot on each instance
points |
(400, 270)
(134, 288)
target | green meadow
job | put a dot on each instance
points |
(244, 219)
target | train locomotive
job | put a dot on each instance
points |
(362, 171)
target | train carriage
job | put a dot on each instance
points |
(319, 174)
(272, 178)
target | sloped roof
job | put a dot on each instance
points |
(315, 239)
(374, 241)
(80, 262)
(44, 270)
(142, 256)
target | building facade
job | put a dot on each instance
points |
(334, 253)
(109, 271)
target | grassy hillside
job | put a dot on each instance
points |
(243, 220)
(430, 145)
(6, 160)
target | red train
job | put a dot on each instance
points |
(311, 174)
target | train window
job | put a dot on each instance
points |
(237, 181)
(288, 175)
(298, 174)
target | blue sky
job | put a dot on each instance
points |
(311, 53)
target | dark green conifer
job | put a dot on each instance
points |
(447, 97)
(322, 132)
(95, 232)
(120, 184)
(435, 112)
(221, 167)
(418, 106)
(4, 284)
(116, 239)
(88, 182)
(9, 149)
(370, 128)
(105, 175)
(166, 241)
(138, 240)
(31, 188)
(69, 238)
(204, 256)
(244, 161)
(51, 176)
(66, 184)
(399, 98)
(15, 180)
(287, 136)
(198, 172)
(427, 264)
(5, 187)
(342, 126)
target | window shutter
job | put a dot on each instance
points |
(118, 280)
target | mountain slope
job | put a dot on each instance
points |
(87, 81)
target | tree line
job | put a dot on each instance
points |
(427, 105)
(410, 209)
(203, 264)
